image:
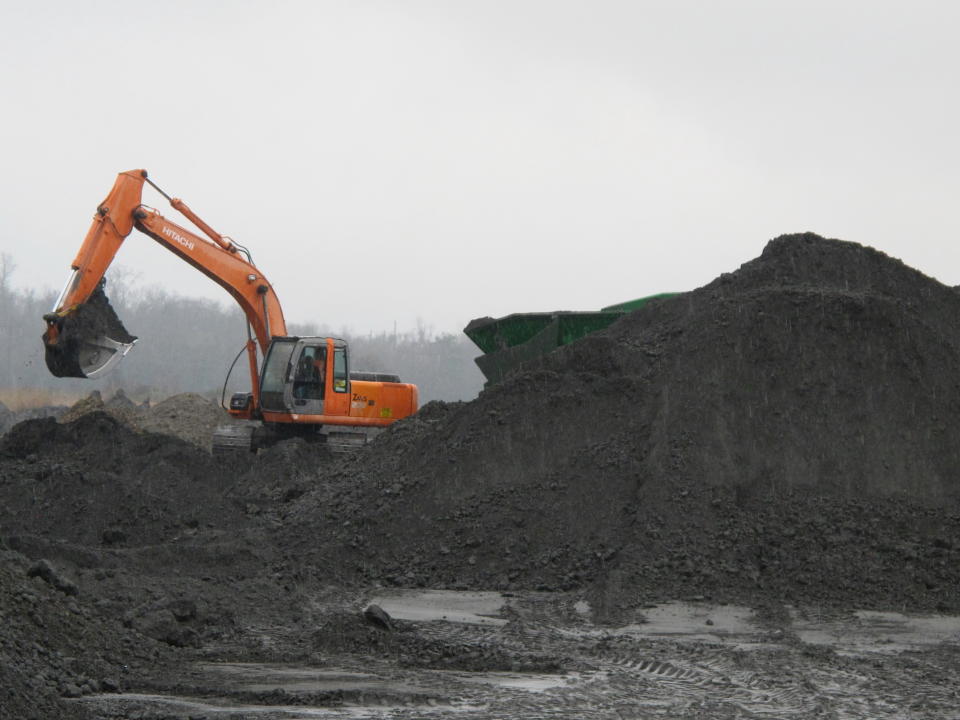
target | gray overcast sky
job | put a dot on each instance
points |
(394, 161)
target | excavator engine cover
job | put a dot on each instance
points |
(87, 340)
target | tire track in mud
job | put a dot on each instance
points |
(650, 683)
(625, 679)
(899, 687)
(636, 672)
(641, 676)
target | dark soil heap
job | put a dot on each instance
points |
(9, 418)
(791, 429)
(96, 478)
(137, 542)
(188, 416)
(54, 644)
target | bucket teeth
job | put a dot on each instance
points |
(87, 341)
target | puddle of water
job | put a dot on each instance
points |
(518, 681)
(293, 679)
(932, 627)
(281, 672)
(679, 620)
(864, 631)
(322, 685)
(263, 677)
(695, 622)
(473, 608)
(191, 706)
(873, 632)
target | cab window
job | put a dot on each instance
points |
(275, 375)
(340, 374)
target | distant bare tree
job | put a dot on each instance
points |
(7, 266)
(124, 285)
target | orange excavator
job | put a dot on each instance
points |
(303, 387)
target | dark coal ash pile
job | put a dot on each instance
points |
(153, 549)
(95, 478)
(790, 430)
(54, 644)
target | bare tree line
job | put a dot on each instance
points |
(187, 345)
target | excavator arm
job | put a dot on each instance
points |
(84, 337)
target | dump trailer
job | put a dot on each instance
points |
(510, 342)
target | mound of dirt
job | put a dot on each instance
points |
(95, 477)
(188, 416)
(92, 403)
(790, 429)
(54, 644)
(120, 407)
(9, 418)
(120, 400)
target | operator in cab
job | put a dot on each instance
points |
(311, 373)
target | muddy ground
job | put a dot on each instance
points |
(738, 502)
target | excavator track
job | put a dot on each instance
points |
(232, 440)
(240, 439)
(342, 443)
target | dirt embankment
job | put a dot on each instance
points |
(790, 429)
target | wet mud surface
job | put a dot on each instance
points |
(738, 502)
(684, 661)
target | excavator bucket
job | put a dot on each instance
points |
(87, 340)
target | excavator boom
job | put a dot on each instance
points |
(84, 336)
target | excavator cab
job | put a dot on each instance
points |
(84, 340)
(305, 376)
